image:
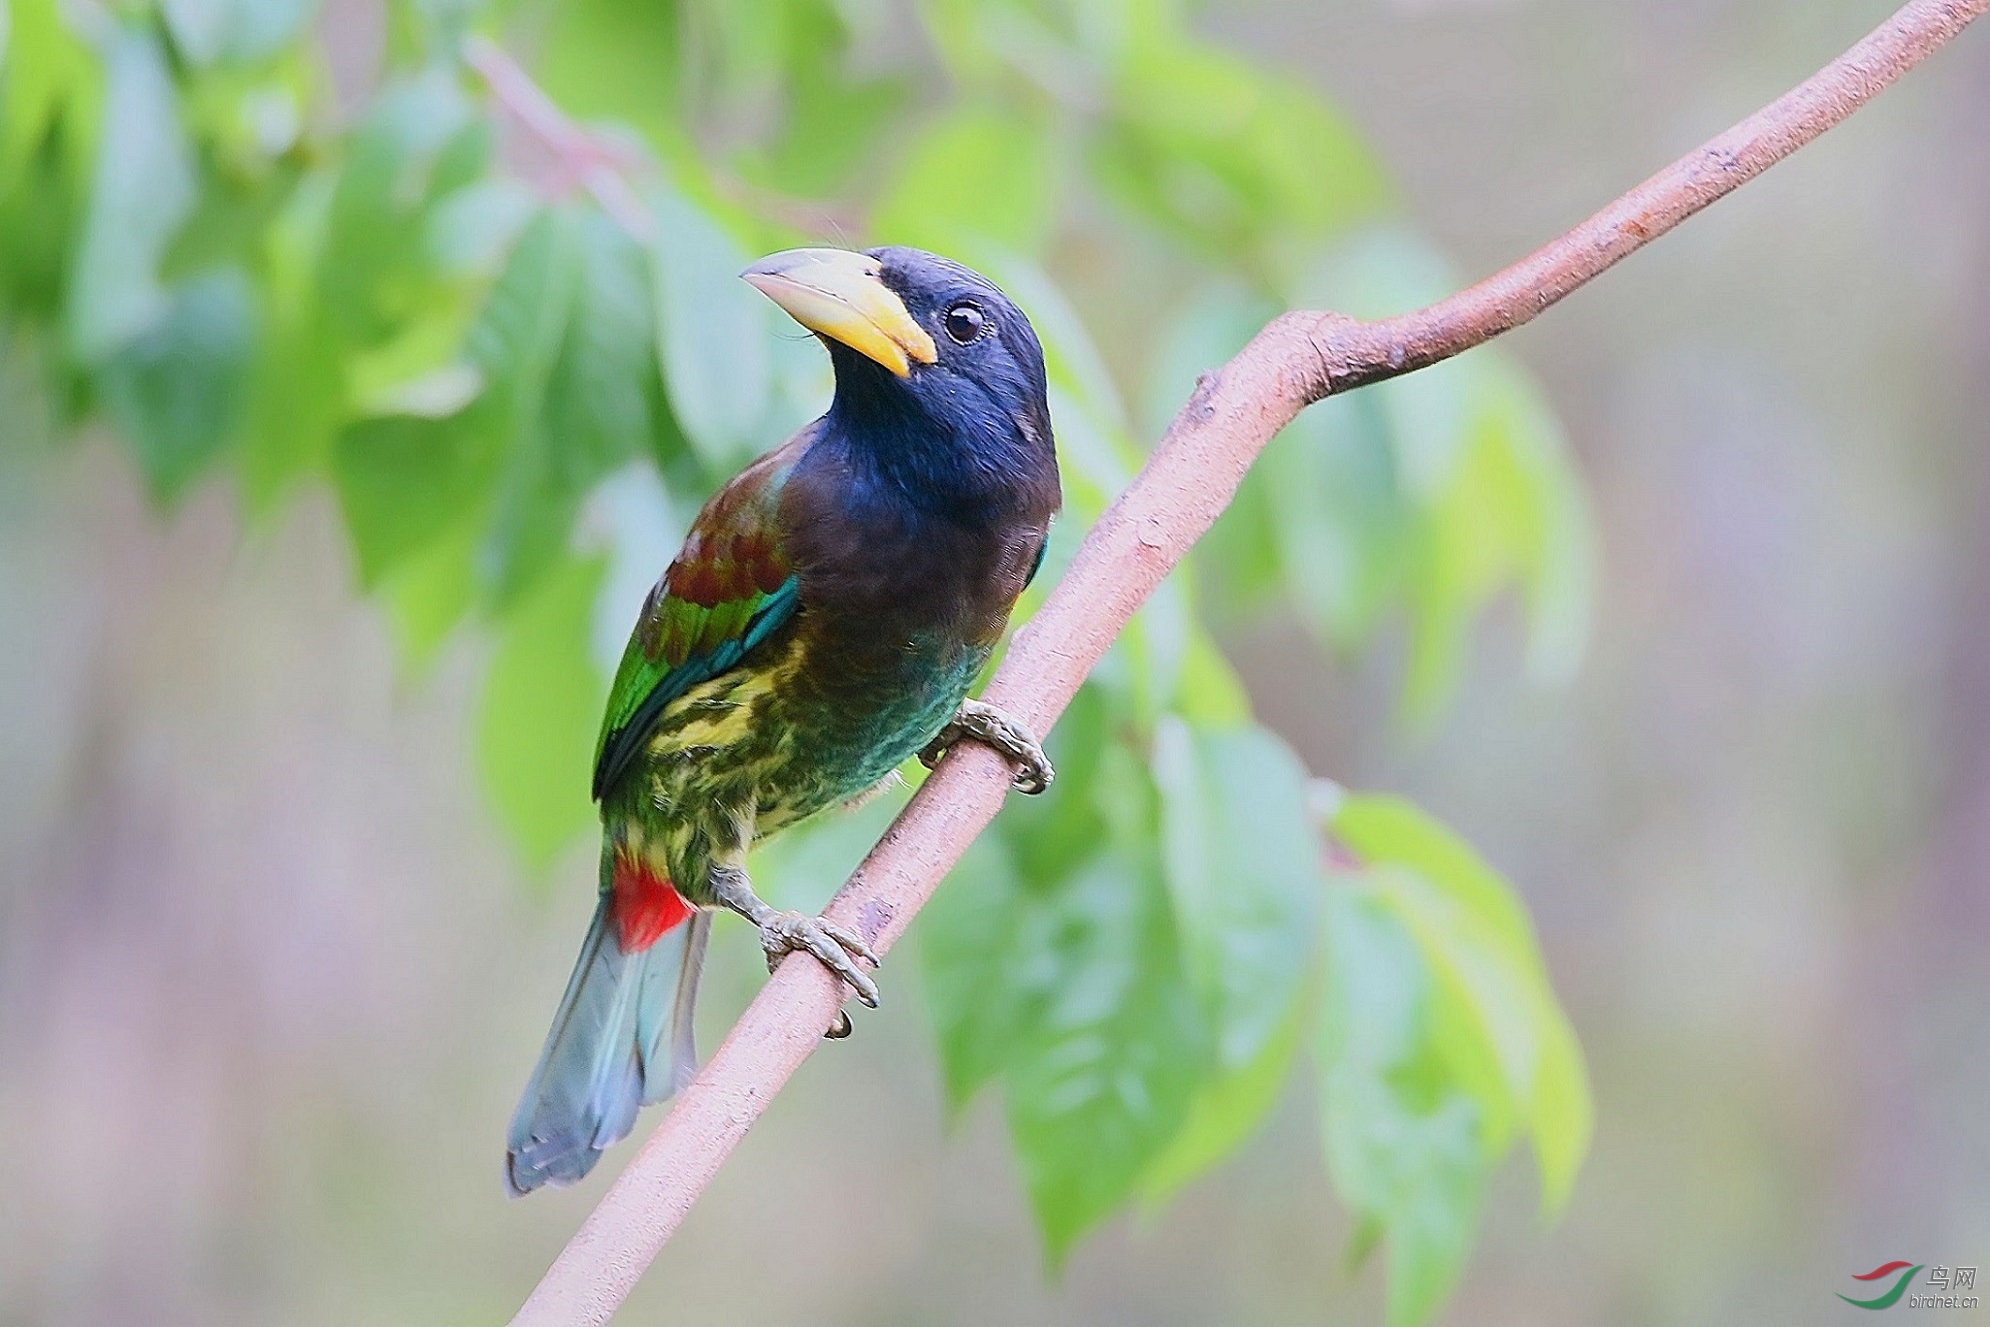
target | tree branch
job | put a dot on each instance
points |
(1296, 360)
(586, 159)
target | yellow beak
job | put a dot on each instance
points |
(837, 293)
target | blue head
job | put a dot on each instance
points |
(940, 387)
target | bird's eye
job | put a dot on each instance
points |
(963, 323)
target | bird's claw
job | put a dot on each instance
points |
(982, 722)
(837, 948)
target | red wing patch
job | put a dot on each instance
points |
(646, 905)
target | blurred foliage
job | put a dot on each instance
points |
(252, 260)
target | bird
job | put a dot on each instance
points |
(822, 623)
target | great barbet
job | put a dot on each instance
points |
(821, 624)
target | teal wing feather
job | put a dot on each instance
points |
(730, 588)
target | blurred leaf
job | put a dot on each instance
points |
(298, 393)
(144, 187)
(1476, 940)
(981, 942)
(1435, 490)
(976, 175)
(1508, 510)
(417, 145)
(567, 334)
(39, 207)
(536, 719)
(430, 590)
(713, 329)
(1227, 1108)
(1376, 273)
(1403, 1142)
(45, 65)
(205, 31)
(836, 110)
(517, 343)
(616, 58)
(1050, 836)
(1340, 526)
(1231, 158)
(1555, 546)
(1155, 645)
(604, 401)
(176, 392)
(1101, 1084)
(470, 231)
(1564, 1112)
(406, 481)
(1242, 862)
(1211, 694)
(229, 222)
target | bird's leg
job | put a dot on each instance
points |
(837, 947)
(982, 722)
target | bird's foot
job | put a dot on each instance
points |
(781, 933)
(837, 947)
(982, 722)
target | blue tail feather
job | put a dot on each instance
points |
(621, 1040)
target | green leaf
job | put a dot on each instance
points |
(1438, 490)
(1510, 1042)
(205, 31)
(144, 187)
(431, 590)
(567, 340)
(536, 718)
(977, 175)
(176, 392)
(1243, 866)
(1403, 1142)
(297, 396)
(1509, 510)
(1049, 837)
(1334, 510)
(1210, 693)
(713, 330)
(1439, 1034)
(617, 58)
(46, 68)
(405, 482)
(1378, 272)
(1226, 156)
(470, 231)
(1554, 545)
(605, 399)
(837, 109)
(981, 944)
(1380, 829)
(517, 344)
(417, 145)
(1102, 1083)
(1227, 1108)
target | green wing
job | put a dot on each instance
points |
(730, 588)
